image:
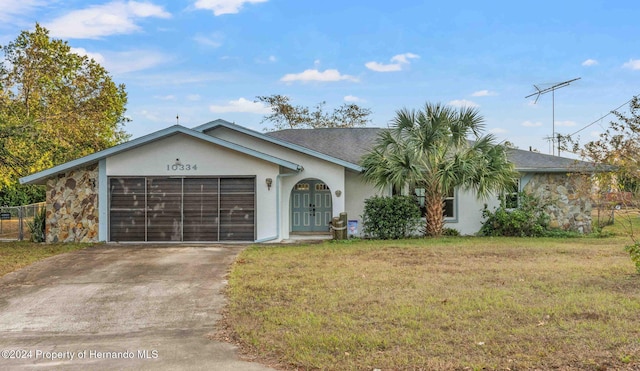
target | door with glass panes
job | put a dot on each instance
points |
(311, 206)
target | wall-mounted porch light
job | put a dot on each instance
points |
(269, 182)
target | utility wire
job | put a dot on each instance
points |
(610, 112)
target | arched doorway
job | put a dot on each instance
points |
(311, 206)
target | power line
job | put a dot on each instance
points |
(610, 112)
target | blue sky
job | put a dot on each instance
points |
(209, 59)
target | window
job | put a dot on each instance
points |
(448, 204)
(321, 187)
(302, 187)
(511, 200)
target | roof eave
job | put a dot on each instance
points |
(217, 123)
(41, 176)
(556, 170)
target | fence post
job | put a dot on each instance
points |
(20, 224)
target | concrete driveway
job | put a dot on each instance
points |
(119, 307)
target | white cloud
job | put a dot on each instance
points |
(241, 105)
(483, 93)
(193, 97)
(12, 9)
(270, 59)
(590, 62)
(220, 7)
(633, 64)
(116, 17)
(214, 41)
(530, 124)
(126, 61)
(403, 58)
(397, 63)
(150, 116)
(497, 131)
(133, 60)
(178, 78)
(566, 123)
(353, 99)
(166, 97)
(315, 75)
(463, 103)
(99, 58)
(379, 67)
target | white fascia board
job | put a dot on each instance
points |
(282, 143)
(39, 177)
(554, 170)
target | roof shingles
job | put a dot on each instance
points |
(350, 144)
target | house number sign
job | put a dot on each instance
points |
(182, 167)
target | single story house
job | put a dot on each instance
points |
(223, 182)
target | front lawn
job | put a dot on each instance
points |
(451, 303)
(15, 255)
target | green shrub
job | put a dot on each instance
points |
(528, 220)
(634, 252)
(17, 195)
(451, 232)
(390, 217)
(37, 226)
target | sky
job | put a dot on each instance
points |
(202, 60)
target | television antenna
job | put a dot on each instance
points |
(552, 89)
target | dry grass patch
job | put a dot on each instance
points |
(454, 303)
(15, 255)
(10, 229)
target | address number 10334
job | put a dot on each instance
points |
(182, 167)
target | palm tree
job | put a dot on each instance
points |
(430, 149)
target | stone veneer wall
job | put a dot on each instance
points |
(72, 206)
(568, 195)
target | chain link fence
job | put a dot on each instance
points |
(14, 221)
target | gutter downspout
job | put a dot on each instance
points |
(278, 211)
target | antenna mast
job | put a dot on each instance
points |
(552, 89)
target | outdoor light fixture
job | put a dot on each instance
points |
(269, 183)
(338, 193)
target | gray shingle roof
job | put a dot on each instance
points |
(350, 144)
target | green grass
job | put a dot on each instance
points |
(16, 255)
(451, 303)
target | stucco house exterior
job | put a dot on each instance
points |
(223, 182)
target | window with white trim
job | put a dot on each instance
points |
(448, 204)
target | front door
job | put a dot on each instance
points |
(310, 206)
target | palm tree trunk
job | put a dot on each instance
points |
(435, 214)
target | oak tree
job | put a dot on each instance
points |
(285, 115)
(55, 105)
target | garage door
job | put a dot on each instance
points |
(181, 209)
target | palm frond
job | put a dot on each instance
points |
(430, 148)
